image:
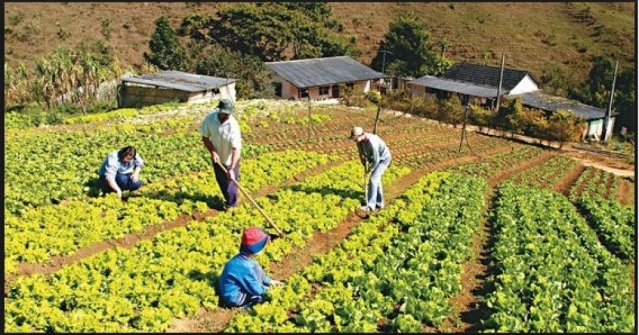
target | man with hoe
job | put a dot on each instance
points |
(374, 152)
(222, 138)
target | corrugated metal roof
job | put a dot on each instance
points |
(485, 75)
(305, 73)
(540, 100)
(455, 86)
(179, 80)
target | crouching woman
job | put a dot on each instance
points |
(243, 283)
(120, 171)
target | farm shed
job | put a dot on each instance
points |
(318, 78)
(165, 86)
(479, 83)
(595, 117)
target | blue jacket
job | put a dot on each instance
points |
(242, 276)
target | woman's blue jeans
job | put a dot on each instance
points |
(124, 183)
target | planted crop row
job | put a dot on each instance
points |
(592, 183)
(490, 166)
(143, 288)
(48, 231)
(553, 274)
(546, 174)
(422, 159)
(614, 224)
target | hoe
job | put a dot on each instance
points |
(268, 219)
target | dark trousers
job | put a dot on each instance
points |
(124, 182)
(228, 188)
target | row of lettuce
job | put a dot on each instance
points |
(397, 272)
(613, 222)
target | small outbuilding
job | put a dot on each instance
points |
(595, 117)
(166, 86)
(319, 78)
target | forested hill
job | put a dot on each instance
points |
(532, 35)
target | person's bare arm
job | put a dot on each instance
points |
(209, 146)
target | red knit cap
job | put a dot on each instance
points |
(253, 240)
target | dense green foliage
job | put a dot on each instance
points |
(166, 51)
(407, 50)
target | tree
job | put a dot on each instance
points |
(564, 126)
(214, 60)
(451, 111)
(166, 51)
(625, 103)
(274, 31)
(410, 46)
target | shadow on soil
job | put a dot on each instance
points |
(481, 312)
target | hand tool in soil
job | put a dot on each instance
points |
(367, 177)
(268, 219)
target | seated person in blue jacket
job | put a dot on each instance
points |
(120, 171)
(243, 283)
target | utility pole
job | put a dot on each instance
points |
(501, 78)
(604, 136)
(384, 52)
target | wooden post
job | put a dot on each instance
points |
(604, 136)
(376, 119)
(309, 118)
(501, 78)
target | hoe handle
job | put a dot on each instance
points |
(268, 219)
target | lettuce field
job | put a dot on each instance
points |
(489, 236)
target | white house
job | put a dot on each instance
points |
(474, 83)
(319, 78)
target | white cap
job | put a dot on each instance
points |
(356, 131)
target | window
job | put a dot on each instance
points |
(303, 93)
(323, 90)
(277, 89)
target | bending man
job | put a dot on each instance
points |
(222, 138)
(374, 152)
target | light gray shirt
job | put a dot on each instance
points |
(374, 149)
(112, 165)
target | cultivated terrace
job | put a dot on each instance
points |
(490, 236)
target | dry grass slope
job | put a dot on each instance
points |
(530, 34)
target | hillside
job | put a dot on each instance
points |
(531, 34)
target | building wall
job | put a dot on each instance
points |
(228, 92)
(135, 96)
(595, 128)
(417, 90)
(140, 96)
(525, 85)
(289, 91)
